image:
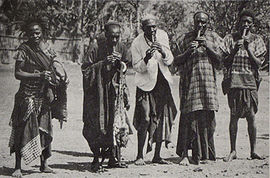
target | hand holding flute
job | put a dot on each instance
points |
(201, 39)
(246, 40)
(154, 47)
(194, 44)
(240, 43)
(113, 58)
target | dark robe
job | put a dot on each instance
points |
(99, 80)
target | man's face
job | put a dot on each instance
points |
(113, 35)
(200, 22)
(150, 28)
(246, 22)
(35, 34)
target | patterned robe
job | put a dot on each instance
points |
(241, 77)
(31, 124)
(198, 89)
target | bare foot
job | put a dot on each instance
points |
(204, 162)
(17, 173)
(139, 162)
(194, 161)
(46, 169)
(95, 166)
(256, 156)
(184, 161)
(159, 161)
(230, 157)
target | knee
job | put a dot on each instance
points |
(234, 122)
(145, 122)
(85, 132)
(251, 120)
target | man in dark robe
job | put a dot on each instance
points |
(101, 69)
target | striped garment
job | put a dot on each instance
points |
(31, 149)
(198, 89)
(31, 117)
(242, 73)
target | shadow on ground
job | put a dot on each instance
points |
(74, 153)
(6, 171)
(263, 136)
(73, 166)
(78, 166)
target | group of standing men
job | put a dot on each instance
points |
(200, 52)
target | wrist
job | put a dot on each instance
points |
(234, 51)
(146, 59)
(163, 54)
(38, 75)
(249, 50)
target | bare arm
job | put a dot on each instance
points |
(22, 75)
(253, 59)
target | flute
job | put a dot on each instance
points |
(244, 33)
(199, 33)
(109, 66)
(154, 38)
(113, 48)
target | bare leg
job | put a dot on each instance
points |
(252, 132)
(95, 163)
(44, 167)
(141, 140)
(184, 158)
(157, 158)
(142, 131)
(17, 172)
(233, 133)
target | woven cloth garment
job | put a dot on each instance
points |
(242, 72)
(31, 117)
(198, 89)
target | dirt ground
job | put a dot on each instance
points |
(71, 154)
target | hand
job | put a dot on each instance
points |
(46, 75)
(149, 54)
(239, 44)
(202, 41)
(246, 42)
(117, 55)
(113, 57)
(157, 46)
(193, 46)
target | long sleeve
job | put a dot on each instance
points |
(164, 40)
(137, 59)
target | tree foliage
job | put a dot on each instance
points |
(224, 15)
(79, 18)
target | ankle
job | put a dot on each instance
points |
(156, 157)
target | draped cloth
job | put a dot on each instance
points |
(242, 75)
(99, 87)
(198, 97)
(196, 132)
(31, 117)
(242, 101)
(155, 111)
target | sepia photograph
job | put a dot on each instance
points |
(134, 88)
